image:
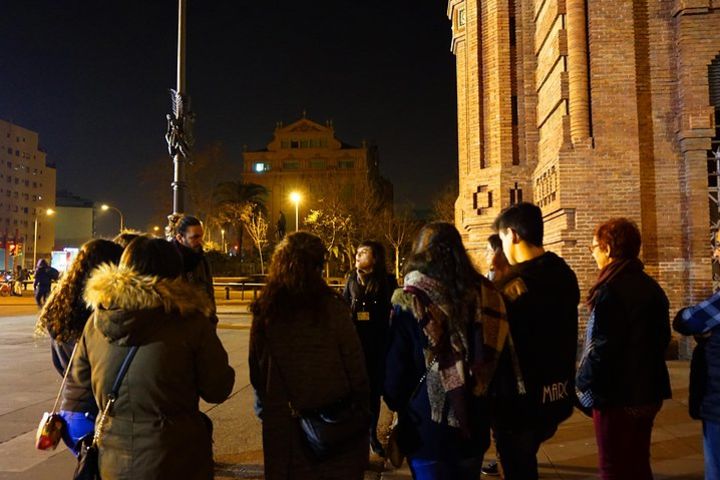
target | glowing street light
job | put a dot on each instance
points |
(47, 212)
(295, 197)
(105, 207)
(222, 234)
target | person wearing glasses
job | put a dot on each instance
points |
(622, 375)
(189, 243)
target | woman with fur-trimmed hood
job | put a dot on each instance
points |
(155, 429)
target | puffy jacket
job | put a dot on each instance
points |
(155, 430)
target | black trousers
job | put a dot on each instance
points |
(518, 450)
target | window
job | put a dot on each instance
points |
(346, 164)
(304, 144)
(318, 163)
(260, 167)
(516, 195)
(291, 165)
(461, 18)
(294, 144)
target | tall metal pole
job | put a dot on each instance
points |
(35, 241)
(179, 133)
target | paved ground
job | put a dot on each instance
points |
(28, 385)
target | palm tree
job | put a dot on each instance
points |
(231, 200)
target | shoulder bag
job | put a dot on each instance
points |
(88, 467)
(327, 430)
(52, 424)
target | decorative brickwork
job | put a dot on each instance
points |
(594, 109)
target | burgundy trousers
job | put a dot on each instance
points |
(623, 440)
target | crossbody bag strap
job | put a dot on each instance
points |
(422, 379)
(65, 376)
(273, 360)
(112, 396)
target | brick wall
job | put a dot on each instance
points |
(649, 126)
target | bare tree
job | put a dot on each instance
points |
(399, 232)
(257, 227)
(443, 207)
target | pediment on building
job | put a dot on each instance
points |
(304, 126)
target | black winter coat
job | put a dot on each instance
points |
(541, 296)
(626, 364)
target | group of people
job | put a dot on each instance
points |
(462, 358)
(142, 303)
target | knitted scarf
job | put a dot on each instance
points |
(458, 370)
(610, 271)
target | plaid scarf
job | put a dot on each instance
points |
(487, 329)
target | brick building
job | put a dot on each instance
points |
(307, 158)
(27, 190)
(593, 109)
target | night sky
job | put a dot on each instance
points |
(92, 79)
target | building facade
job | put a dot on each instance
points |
(305, 157)
(75, 220)
(27, 190)
(593, 110)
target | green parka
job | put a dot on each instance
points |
(155, 430)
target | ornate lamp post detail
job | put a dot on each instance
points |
(179, 131)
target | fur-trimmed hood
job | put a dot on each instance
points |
(122, 299)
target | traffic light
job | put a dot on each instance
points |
(18, 249)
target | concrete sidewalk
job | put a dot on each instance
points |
(572, 453)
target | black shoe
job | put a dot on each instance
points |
(377, 447)
(491, 469)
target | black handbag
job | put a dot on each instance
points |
(329, 429)
(88, 467)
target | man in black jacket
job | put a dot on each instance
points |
(534, 386)
(189, 243)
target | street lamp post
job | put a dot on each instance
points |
(48, 212)
(295, 198)
(105, 208)
(179, 123)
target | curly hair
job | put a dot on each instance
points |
(294, 278)
(65, 313)
(621, 235)
(438, 252)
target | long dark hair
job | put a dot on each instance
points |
(377, 280)
(65, 313)
(294, 279)
(438, 252)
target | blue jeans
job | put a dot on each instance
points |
(423, 469)
(711, 445)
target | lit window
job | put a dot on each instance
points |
(261, 167)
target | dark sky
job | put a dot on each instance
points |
(92, 79)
